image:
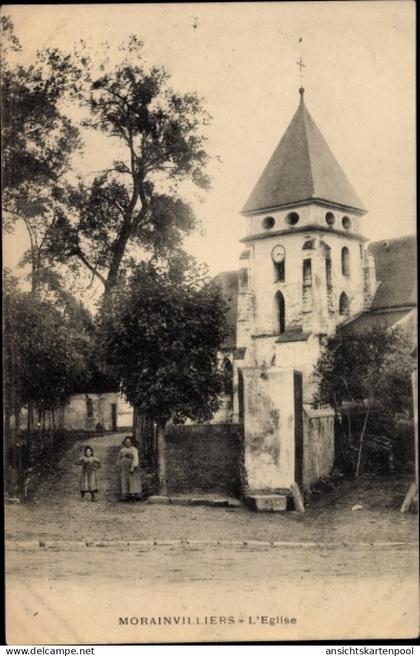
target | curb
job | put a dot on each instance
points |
(222, 502)
(69, 544)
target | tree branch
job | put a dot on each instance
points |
(105, 171)
(78, 253)
(119, 207)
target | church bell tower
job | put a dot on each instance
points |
(304, 268)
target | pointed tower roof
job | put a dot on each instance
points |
(302, 168)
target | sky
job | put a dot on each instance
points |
(359, 80)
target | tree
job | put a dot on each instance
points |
(162, 342)
(370, 369)
(135, 202)
(44, 351)
(46, 357)
(38, 140)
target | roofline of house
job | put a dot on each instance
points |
(382, 310)
(392, 240)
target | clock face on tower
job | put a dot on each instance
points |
(278, 254)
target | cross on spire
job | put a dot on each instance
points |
(301, 65)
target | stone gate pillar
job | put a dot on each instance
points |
(273, 435)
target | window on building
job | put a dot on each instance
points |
(243, 278)
(328, 280)
(280, 313)
(345, 261)
(344, 305)
(328, 273)
(268, 222)
(307, 285)
(89, 406)
(329, 218)
(240, 396)
(292, 218)
(279, 271)
(307, 273)
(227, 371)
(308, 245)
(346, 223)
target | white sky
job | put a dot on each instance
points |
(360, 90)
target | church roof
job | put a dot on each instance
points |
(367, 321)
(302, 168)
(396, 272)
(396, 296)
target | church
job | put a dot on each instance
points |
(306, 270)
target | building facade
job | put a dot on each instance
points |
(306, 271)
(305, 268)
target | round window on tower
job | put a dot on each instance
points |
(346, 223)
(292, 218)
(268, 222)
(329, 218)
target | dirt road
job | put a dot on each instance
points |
(118, 595)
(57, 513)
(129, 589)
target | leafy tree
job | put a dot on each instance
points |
(44, 351)
(47, 355)
(50, 351)
(135, 202)
(370, 369)
(161, 341)
(38, 141)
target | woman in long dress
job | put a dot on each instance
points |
(128, 461)
(88, 480)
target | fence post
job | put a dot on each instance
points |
(413, 492)
(414, 381)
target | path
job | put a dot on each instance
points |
(58, 514)
(62, 487)
(335, 586)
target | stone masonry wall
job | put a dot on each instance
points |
(204, 458)
(318, 444)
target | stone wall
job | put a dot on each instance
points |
(204, 458)
(224, 415)
(271, 402)
(318, 444)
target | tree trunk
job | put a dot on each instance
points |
(135, 426)
(163, 489)
(30, 419)
(119, 250)
(10, 453)
(359, 455)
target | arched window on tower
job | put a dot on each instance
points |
(279, 271)
(344, 305)
(227, 372)
(345, 261)
(241, 397)
(279, 313)
(307, 285)
(243, 278)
